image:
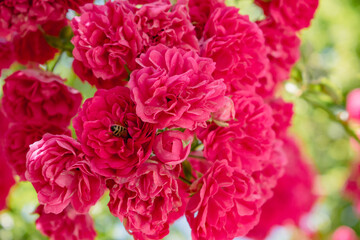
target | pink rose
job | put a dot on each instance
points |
(148, 201)
(353, 104)
(68, 225)
(23, 16)
(344, 233)
(237, 46)
(13, 17)
(112, 135)
(200, 12)
(18, 138)
(173, 147)
(293, 195)
(43, 11)
(61, 175)
(106, 42)
(20, 21)
(282, 47)
(175, 88)
(226, 112)
(247, 141)
(34, 96)
(224, 203)
(294, 14)
(86, 74)
(164, 23)
(33, 47)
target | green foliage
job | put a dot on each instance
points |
(62, 41)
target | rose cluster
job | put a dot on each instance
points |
(184, 122)
(35, 102)
(26, 25)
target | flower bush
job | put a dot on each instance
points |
(185, 119)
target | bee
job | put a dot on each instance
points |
(119, 130)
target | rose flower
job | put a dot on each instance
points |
(61, 175)
(294, 14)
(247, 141)
(19, 137)
(173, 147)
(68, 225)
(224, 204)
(175, 88)
(148, 201)
(24, 22)
(114, 138)
(237, 46)
(35, 96)
(106, 43)
(282, 47)
(200, 12)
(167, 24)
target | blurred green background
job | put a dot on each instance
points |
(328, 70)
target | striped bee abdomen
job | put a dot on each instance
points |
(118, 130)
